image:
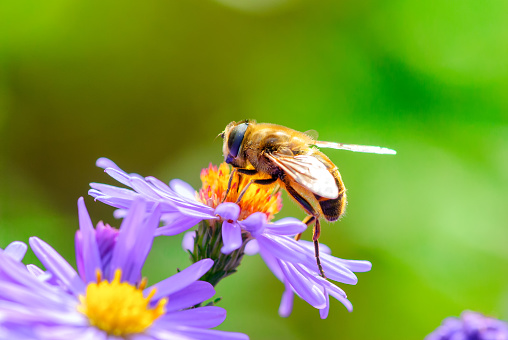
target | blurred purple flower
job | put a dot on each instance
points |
(108, 302)
(470, 326)
(105, 237)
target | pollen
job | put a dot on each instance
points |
(119, 308)
(258, 198)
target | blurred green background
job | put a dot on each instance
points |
(151, 84)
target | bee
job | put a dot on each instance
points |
(271, 153)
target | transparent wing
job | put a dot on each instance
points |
(355, 148)
(312, 134)
(309, 172)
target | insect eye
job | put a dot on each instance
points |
(235, 138)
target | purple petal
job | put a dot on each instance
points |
(134, 241)
(252, 247)
(120, 213)
(26, 297)
(323, 248)
(110, 190)
(330, 288)
(78, 248)
(124, 251)
(188, 241)
(254, 224)
(176, 223)
(183, 189)
(141, 186)
(181, 280)
(323, 312)
(116, 202)
(303, 286)
(120, 175)
(57, 265)
(16, 250)
(188, 333)
(332, 266)
(271, 263)
(122, 198)
(324, 251)
(104, 163)
(202, 317)
(228, 211)
(191, 295)
(162, 188)
(69, 332)
(286, 226)
(231, 237)
(106, 237)
(283, 247)
(43, 276)
(319, 280)
(336, 271)
(15, 274)
(159, 333)
(140, 336)
(286, 302)
(34, 270)
(342, 299)
(201, 212)
(145, 236)
(356, 265)
(87, 247)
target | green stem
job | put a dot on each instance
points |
(208, 244)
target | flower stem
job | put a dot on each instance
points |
(208, 244)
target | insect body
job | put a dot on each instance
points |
(276, 154)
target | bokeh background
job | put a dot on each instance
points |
(151, 84)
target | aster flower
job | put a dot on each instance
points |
(470, 326)
(108, 299)
(220, 231)
(242, 227)
(182, 208)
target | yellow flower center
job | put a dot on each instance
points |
(118, 307)
(258, 198)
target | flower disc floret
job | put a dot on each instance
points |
(258, 198)
(119, 308)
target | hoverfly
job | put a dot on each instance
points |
(273, 153)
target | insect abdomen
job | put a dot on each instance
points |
(334, 208)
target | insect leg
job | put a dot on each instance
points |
(257, 181)
(240, 177)
(315, 239)
(250, 172)
(231, 175)
(308, 221)
(313, 216)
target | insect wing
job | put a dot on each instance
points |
(309, 172)
(355, 148)
(312, 134)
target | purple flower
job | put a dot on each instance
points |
(181, 210)
(109, 298)
(291, 261)
(470, 326)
